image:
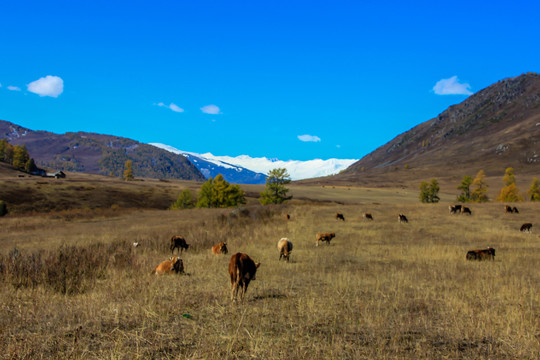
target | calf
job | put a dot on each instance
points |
(368, 216)
(526, 227)
(173, 265)
(284, 247)
(466, 210)
(402, 218)
(484, 254)
(324, 237)
(220, 248)
(515, 210)
(242, 270)
(178, 242)
(339, 216)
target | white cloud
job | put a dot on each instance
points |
(210, 109)
(175, 108)
(14, 88)
(451, 86)
(47, 86)
(172, 106)
(310, 138)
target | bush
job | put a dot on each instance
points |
(429, 193)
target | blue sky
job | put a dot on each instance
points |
(282, 79)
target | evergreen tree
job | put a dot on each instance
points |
(509, 193)
(275, 191)
(534, 190)
(220, 193)
(206, 197)
(184, 201)
(429, 192)
(128, 170)
(465, 188)
(479, 193)
(30, 166)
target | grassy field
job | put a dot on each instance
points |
(76, 288)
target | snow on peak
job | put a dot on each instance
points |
(297, 169)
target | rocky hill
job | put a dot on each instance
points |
(98, 154)
(496, 128)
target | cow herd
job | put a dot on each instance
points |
(242, 268)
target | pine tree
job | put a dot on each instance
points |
(128, 171)
(429, 192)
(30, 166)
(479, 194)
(184, 201)
(534, 190)
(465, 188)
(220, 193)
(275, 191)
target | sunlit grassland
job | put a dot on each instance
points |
(380, 289)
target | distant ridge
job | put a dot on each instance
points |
(98, 154)
(495, 128)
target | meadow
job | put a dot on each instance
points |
(76, 288)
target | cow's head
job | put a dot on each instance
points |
(223, 248)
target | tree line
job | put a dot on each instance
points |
(219, 193)
(475, 190)
(17, 156)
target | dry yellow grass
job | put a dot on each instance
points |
(380, 290)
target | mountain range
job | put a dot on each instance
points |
(496, 128)
(255, 168)
(98, 154)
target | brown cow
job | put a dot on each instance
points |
(285, 247)
(526, 226)
(178, 242)
(220, 248)
(466, 210)
(173, 265)
(402, 218)
(339, 216)
(368, 216)
(242, 270)
(324, 237)
(287, 217)
(508, 209)
(483, 254)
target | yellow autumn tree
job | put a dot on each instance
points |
(509, 193)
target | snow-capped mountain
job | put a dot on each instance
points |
(297, 169)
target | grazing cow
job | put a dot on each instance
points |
(402, 218)
(484, 254)
(178, 242)
(242, 270)
(466, 210)
(173, 265)
(526, 226)
(324, 237)
(220, 248)
(287, 217)
(368, 216)
(285, 247)
(515, 210)
(455, 209)
(339, 216)
(508, 209)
